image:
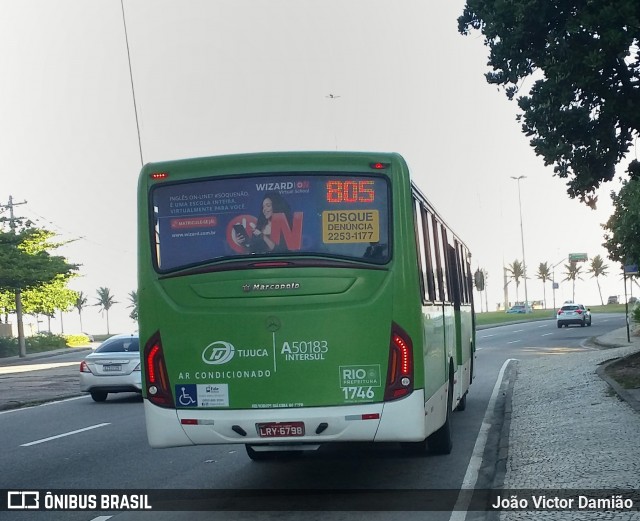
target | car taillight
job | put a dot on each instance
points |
(400, 372)
(156, 377)
(579, 311)
(559, 312)
(84, 368)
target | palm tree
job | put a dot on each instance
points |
(544, 274)
(105, 301)
(573, 274)
(598, 268)
(516, 270)
(133, 298)
(81, 302)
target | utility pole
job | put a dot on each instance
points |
(524, 262)
(12, 224)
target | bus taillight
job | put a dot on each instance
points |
(156, 378)
(400, 372)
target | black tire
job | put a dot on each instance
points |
(440, 442)
(99, 396)
(416, 448)
(462, 404)
(583, 323)
(559, 325)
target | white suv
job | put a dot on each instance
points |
(573, 314)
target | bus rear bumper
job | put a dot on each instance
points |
(401, 420)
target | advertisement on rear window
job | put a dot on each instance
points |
(342, 215)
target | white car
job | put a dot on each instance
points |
(573, 314)
(114, 367)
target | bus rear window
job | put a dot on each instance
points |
(336, 215)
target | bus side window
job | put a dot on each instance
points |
(428, 241)
(454, 277)
(442, 293)
(422, 265)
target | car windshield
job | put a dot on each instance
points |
(120, 345)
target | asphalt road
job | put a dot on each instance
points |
(80, 444)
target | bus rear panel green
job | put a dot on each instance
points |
(309, 341)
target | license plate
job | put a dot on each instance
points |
(280, 430)
(112, 367)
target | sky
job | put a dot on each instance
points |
(215, 77)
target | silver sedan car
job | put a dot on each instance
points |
(114, 367)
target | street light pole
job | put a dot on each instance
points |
(524, 262)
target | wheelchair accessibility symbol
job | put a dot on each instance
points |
(187, 395)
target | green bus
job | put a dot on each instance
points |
(288, 300)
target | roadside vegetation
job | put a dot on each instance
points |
(42, 343)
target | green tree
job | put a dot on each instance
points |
(516, 271)
(7, 305)
(598, 268)
(133, 299)
(582, 111)
(105, 300)
(572, 273)
(622, 230)
(49, 298)
(25, 263)
(80, 304)
(544, 274)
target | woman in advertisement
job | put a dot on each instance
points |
(261, 240)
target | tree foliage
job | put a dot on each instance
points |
(573, 272)
(105, 300)
(79, 304)
(49, 298)
(544, 274)
(133, 303)
(622, 230)
(25, 262)
(597, 269)
(516, 272)
(583, 110)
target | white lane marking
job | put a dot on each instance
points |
(471, 476)
(547, 334)
(101, 518)
(485, 336)
(64, 434)
(514, 341)
(518, 331)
